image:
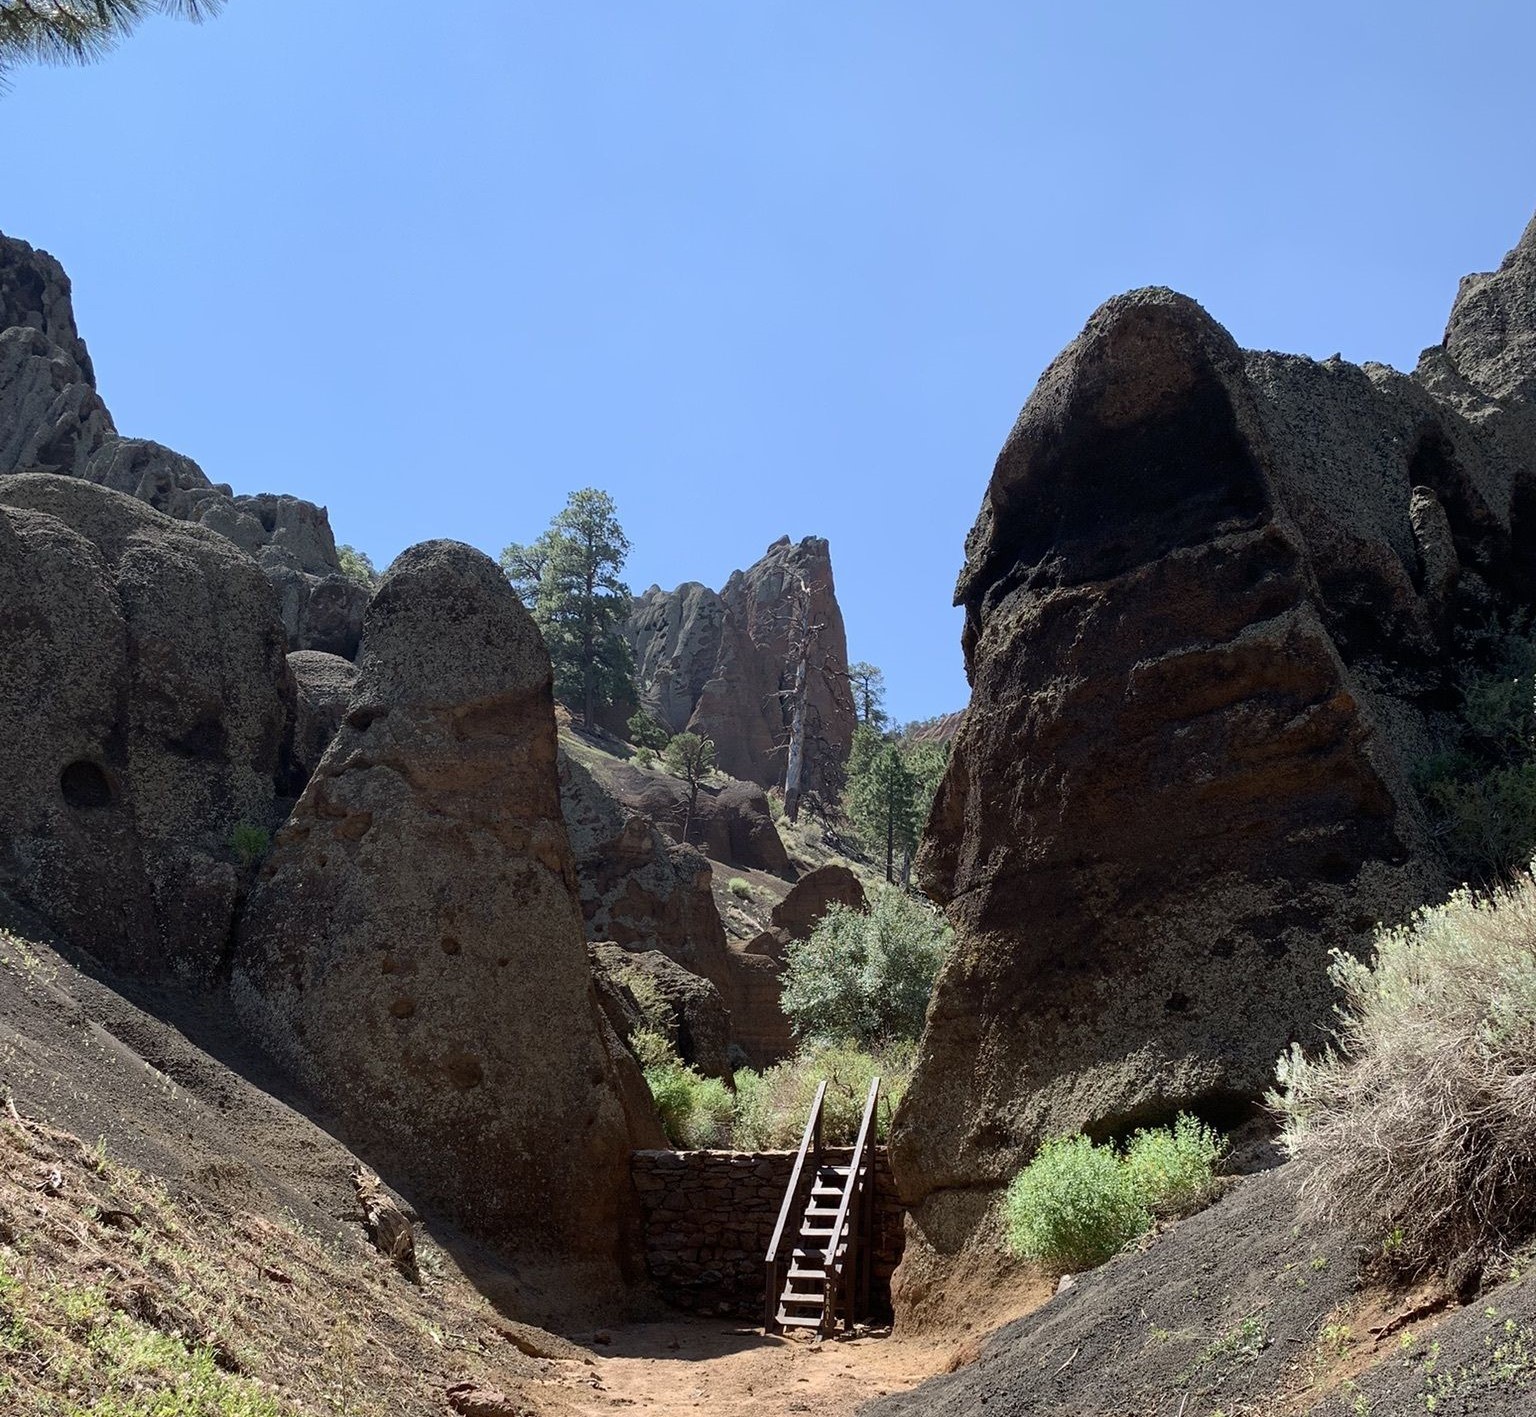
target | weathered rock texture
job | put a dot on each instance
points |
(413, 953)
(722, 664)
(732, 822)
(693, 1015)
(53, 420)
(145, 705)
(1209, 604)
(324, 685)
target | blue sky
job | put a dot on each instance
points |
(754, 268)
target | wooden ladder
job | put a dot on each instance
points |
(825, 1268)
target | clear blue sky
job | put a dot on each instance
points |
(755, 268)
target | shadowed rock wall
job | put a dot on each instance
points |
(1211, 607)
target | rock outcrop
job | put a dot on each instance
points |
(323, 685)
(413, 952)
(722, 664)
(1211, 612)
(732, 822)
(692, 1015)
(53, 420)
(145, 704)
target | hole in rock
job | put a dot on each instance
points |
(450, 945)
(1178, 1002)
(85, 786)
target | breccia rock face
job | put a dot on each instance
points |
(53, 420)
(145, 704)
(722, 664)
(1209, 607)
(413, 953)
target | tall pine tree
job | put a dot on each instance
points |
(569, 580)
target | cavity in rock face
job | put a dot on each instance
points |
(414, 953)
(1211, 603)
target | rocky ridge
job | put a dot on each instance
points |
(52, 419)
(720, 663)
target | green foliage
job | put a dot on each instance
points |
(696, 1112)
(1419, 1125)
(1481, 791)
(866, 977)
(882, 800)
(644, 758)
(357, 566)
(250, 843)
(868, 685)
(739, 888)
(78, 31)
(690, 756)
(645, 732)
(1173, 1169)
(927, 762)
(569, 580)
(1073, 1207)
(1076, 1204)
(771, 1106)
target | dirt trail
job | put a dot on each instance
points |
(698, 1367)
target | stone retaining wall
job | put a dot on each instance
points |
(709, 1216)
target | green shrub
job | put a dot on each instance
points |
(644, 757)
(1074, 1206)
(866, 977)
(695, 1111)
(1420, 1125)
(1173, 1169)
(739, 888)
(645, 732)
(771, 1107)
(250, 844)
(357, 566)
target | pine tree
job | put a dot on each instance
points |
(882, 800)
(77, 31)
(569, 580)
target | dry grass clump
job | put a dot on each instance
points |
(1421, 1126)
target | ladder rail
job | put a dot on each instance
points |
(838, 1274)
(810, 1144)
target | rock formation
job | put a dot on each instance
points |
(323, 683)
(721, 664)
(145, 704)
(53, 420)
(695, 1020)
(413, 953)
(1211, 612)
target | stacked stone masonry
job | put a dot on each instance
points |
(709, 1216)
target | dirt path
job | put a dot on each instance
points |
(697, 1367)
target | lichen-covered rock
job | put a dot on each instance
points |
(144, 704)
(722, 664)
(696, 1022)
(1210, 601)
(413, 953)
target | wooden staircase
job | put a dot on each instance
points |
(818, 1269)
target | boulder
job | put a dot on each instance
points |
(732, 822)
(145, 702)
(413, 953)
(694, 1017)
(323, 684)
(833, 884)
(1212, 602)
(722, 664)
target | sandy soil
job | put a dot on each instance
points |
(694, 1366)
